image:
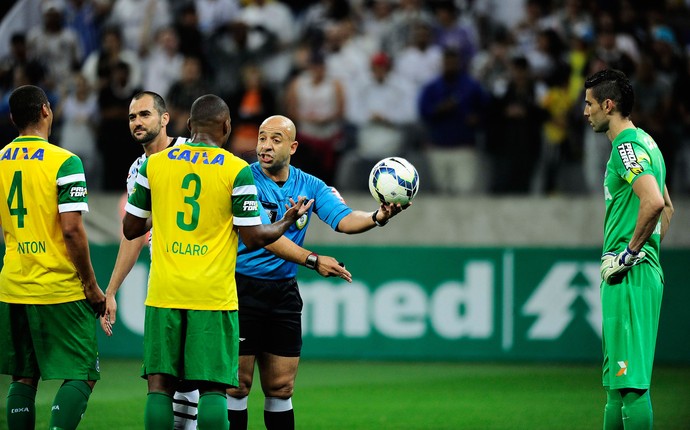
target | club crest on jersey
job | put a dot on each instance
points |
(629, 159)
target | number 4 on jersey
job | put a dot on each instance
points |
(16, 190)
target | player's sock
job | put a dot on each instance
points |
(158, 414)
(69, 405)
(211, 412)
(237, 413)
(21, 406)
(185, 409)
(278, 414)
(613, 415)
(637, 410)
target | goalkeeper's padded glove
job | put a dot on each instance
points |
(614, 266)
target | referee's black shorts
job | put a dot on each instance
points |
(270, 316)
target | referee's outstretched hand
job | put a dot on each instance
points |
(330, 267)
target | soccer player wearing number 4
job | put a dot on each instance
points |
(638, 213)
(48, 289)
(199, 197)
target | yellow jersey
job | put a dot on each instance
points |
(38, 181)
(196, 194)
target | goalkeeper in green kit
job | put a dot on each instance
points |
(638, 212)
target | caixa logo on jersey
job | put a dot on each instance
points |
(77, 192)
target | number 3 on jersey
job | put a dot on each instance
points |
(16, 191)
(190, 180)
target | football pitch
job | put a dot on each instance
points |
(396, 395)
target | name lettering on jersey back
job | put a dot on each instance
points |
(31, 247)
(195, 157)
(23, 153)
(192, 249)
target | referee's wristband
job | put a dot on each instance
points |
(378, 224)
(311, 261)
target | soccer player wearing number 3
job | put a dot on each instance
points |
(270, 302)
(638, 213)
(48, 289)
(200, 198)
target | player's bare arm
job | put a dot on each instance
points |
(667, 213)
(652, 204)
(133, 226)
(78, 249)
(361, 221)
(127, 256)
(325, 266)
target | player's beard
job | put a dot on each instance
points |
(148, 137)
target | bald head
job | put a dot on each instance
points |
(281, 122)
(208, 111)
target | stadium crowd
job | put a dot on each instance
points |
(483, 96)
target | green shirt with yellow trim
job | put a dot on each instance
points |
(634, 154)
(38, 181)
(196, 194)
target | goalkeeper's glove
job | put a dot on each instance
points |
(614, 266)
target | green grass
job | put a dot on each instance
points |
(382, 395)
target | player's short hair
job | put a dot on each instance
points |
(25, 105)
(158, 102)
(207, 110)
(614, 85)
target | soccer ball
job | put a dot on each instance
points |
(393, 180)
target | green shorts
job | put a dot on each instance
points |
(49, 341)
(192, 345)
(630, 323)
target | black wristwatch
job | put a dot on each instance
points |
(312, 260)
(378, 224)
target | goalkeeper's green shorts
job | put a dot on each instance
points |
(55, 341)
(192, 345)
(630, 322)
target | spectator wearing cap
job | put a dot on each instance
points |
(383, 113)
(316, 103)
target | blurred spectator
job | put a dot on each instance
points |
(452, 31)
(319, 16)
(376, 21)
(115, 143)
(249, 105)
(452, 108)
(383, 114)
(262, 16)
(406, 15)
(215, 13)
(139, 20)
(608, 49)
(569, 17)
(85, 18)
(187, 28)
(98, 66)
(666, 55)
(558, 152)
(681, 97)
(548, 55)
(182, 94)
(419, 62)
(17, 57)
(55, 45)
(229, 47)
(163, 64)
(316, 103)
(652, 110)
(514, 143)
(80, 115)
(492, 67)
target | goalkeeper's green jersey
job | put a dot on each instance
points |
(196, 194)
(634, 154)
(38, 181)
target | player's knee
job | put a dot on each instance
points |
(280, 390)
(241, 391)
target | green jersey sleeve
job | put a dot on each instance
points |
(245, 203)
(139, 202)
(71, 186)
(632, 161)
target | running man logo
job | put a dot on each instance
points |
(623, 368)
